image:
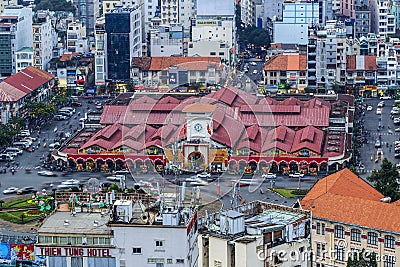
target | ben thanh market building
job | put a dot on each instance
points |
(226, 130)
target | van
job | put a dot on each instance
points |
(21, 145)
(65, 113)
(68, 109)
(14, 150)
(6, 157)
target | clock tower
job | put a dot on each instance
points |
(198, 134)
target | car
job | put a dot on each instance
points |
(378, 111)
(54, 146)
(14, 150)
(71, 183)
(253, 63)
(26, 190)
(386, 97)
(332, 149)
(370, 108)
(255, 71)
(199, 182)
(10, 190)
(397, 129)
(191, 179)
(115, 178)
(397, 155)
(60, 117)
(396, 120)
(394, 112)
(47, 173)
(76, 104)
(378, 143)
(269, 176)
(203, 175)
(381, 104)
(296, 175)
(12, 154)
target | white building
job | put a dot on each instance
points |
(167, 41)
(16, 33)
(295, 20)
(76, 38)
(253, 234)
(4, 3)
(100, 51)
(177, 12)
(213, 32)
(170, 238)
(247, 8)
(44, 40)
(383, 22)
(23, 58)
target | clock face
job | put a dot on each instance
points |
(198, 127)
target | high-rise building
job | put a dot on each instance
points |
(76, 37)
(44, 40)
(4, 3)
(124, 41)
(87, 11)
(15, 34)
(100, 60)
(174, 12)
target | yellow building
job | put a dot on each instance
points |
(349, 215)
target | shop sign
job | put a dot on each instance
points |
(75, 252)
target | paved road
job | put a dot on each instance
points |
(371, 122)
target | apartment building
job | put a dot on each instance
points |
(15, 33)
(248, 12)
(214, 31)
(349, 215)
(87, 11)
(100, 52)
(361, 71)
(177, 12)
(44, 39)
(252, 235)
(76, 38)
(167, 41)
(296, 17)
(383, 20)
(23, 58)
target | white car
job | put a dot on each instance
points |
(398, 165)
(378, 111)
(296, 175)
(269, 176)
(10, 190)
(253, 63)
(385, 97)
(47, 173)
(255, 71)
(397, 129)
(199, 182)
(117, 178)
(203, 175)
(370, 108)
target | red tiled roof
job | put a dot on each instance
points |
(66, 57)
(23, 83)
(308, 138)
(347, 198)
(293, 62)
(369, 62)
(112, 114)
(162, 63)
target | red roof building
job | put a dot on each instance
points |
(348, 210)
(228, 122)
(29, 84)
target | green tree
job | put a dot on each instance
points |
(385, 180)
(61, 9)
(362, 259)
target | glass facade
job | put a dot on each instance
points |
(5, 55)
(118, 46)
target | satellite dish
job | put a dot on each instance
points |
(93, 185)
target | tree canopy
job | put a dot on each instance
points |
(254, 35)
(54, 5)
(385, 180)
(362, 259)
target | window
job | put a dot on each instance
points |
(318, 250)
(372, 238)
(323, 229)
(136, 250)
(389, 261)
(339, 231)
(339, 253)
(180, 261)
(159, 244)
(356, 235)
(389, 241)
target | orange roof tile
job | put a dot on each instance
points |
(192, 63)
(287, 62)
(345, 197)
